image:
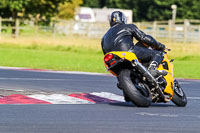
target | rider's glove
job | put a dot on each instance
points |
(161, 47)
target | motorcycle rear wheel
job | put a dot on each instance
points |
(139, 98)
(179, 97)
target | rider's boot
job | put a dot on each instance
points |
(153, 67)
(156, 73)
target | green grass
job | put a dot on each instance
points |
(187, 67)
(74, 59)
(56, 59)
(82, 54)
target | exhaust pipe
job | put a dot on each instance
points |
(147, 74)
(144, 71)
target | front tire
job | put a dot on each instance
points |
(139, 98)
(179, 97)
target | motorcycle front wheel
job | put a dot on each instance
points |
(138, 94)
(179, 97)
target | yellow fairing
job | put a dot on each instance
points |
(169, 77)
(124, 54)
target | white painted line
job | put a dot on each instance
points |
(194, 98)
(3, 67)
(109, 95)
(52, 71)
(157, 114)
(77, 72)
(29, 79)
(184, 83)
(188, 80)
(67, 79)
(60, 99)
(11, 90)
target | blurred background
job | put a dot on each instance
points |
(68, 33)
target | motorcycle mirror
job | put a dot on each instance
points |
(171, 60)
(167, 49)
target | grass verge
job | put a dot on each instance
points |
(77, 54)
(187, 67)
(50, 59)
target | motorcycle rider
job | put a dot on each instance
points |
(120, 38)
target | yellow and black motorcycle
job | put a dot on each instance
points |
(138, 85)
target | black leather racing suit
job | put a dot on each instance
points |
(120, 38)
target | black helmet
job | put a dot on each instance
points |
(117, 17)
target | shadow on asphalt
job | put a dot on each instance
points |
(129, 104)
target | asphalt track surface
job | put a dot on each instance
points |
(91, 118)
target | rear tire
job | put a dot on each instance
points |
(139, 98)
(179, 97)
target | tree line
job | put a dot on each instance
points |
(38, 9)
(150, 10)
(143, 10)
